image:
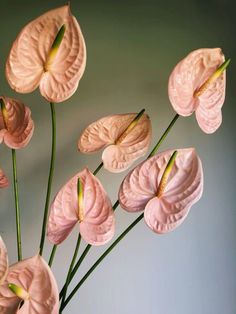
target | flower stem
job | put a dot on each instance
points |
(130, 227)
(70, 269)
(98, 169)
(16, 195)
(101, 258)
(50, 177)
(158, 144)
(53, 252)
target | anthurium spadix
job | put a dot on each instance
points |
(3, 180)
(27, 287)
(50, 53)
(197, 83)
(125, 137)
(82, 201)
(165, 187)
(16, 124)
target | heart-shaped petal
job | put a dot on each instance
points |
(187, 78)
(3, 180)
(3, 261)
(97, 226)
(28, 67)
(34, 276)
(17, 127)
(119, 155)
(184, 188)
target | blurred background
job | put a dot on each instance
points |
(132, 48)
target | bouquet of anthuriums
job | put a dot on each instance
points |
(50, 53)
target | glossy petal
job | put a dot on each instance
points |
(25, 68)
(188, 76)
(20, 127)
(35, 277)
(184, 188)
(3, 180)
(97, 227)
(3, 261)
(105, 132)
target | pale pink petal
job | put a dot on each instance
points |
(184, 188)
(20, 126)
(189, 75)
(3, 261)
(3, 180)
(208, 116)
(163, 217)
(97, 228)
(103, 132)
(63, 214)
(25, 68)
(34, 276)
(106, 131)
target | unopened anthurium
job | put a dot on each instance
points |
(16, 124)
(50, 53)
(82, 200)
(3, 179)
(125, 137)
(197, 83)
(165, 187)
(27, 287)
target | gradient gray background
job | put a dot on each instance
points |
(132, 48)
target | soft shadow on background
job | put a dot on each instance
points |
(132, 48)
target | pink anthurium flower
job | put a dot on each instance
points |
(165, 187)
(16, 125)
(3, 180)
(50, 53)
(27, 287)
(197, 83)
(125, 137)
(82, 200)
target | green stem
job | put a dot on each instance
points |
(101, 258)
(16, 195)
(82, 257)
(110, 248)
(53, 252)
(98, 169)
(50, 177)
(158, 144)
(70, 269)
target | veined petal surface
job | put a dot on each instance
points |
(189, 75)
(184, 188)
(27, 67)
(118, 156)
(17, 131)
(35, 277)
(3, 180)
(98, 224)
(3, 261)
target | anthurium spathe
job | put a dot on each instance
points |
(27, 287)
(3, 261)
(3, 180)
(125, 137)
(197, 83)
(50, 53)
(165, 187)
(16, 124)
(82, 200)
